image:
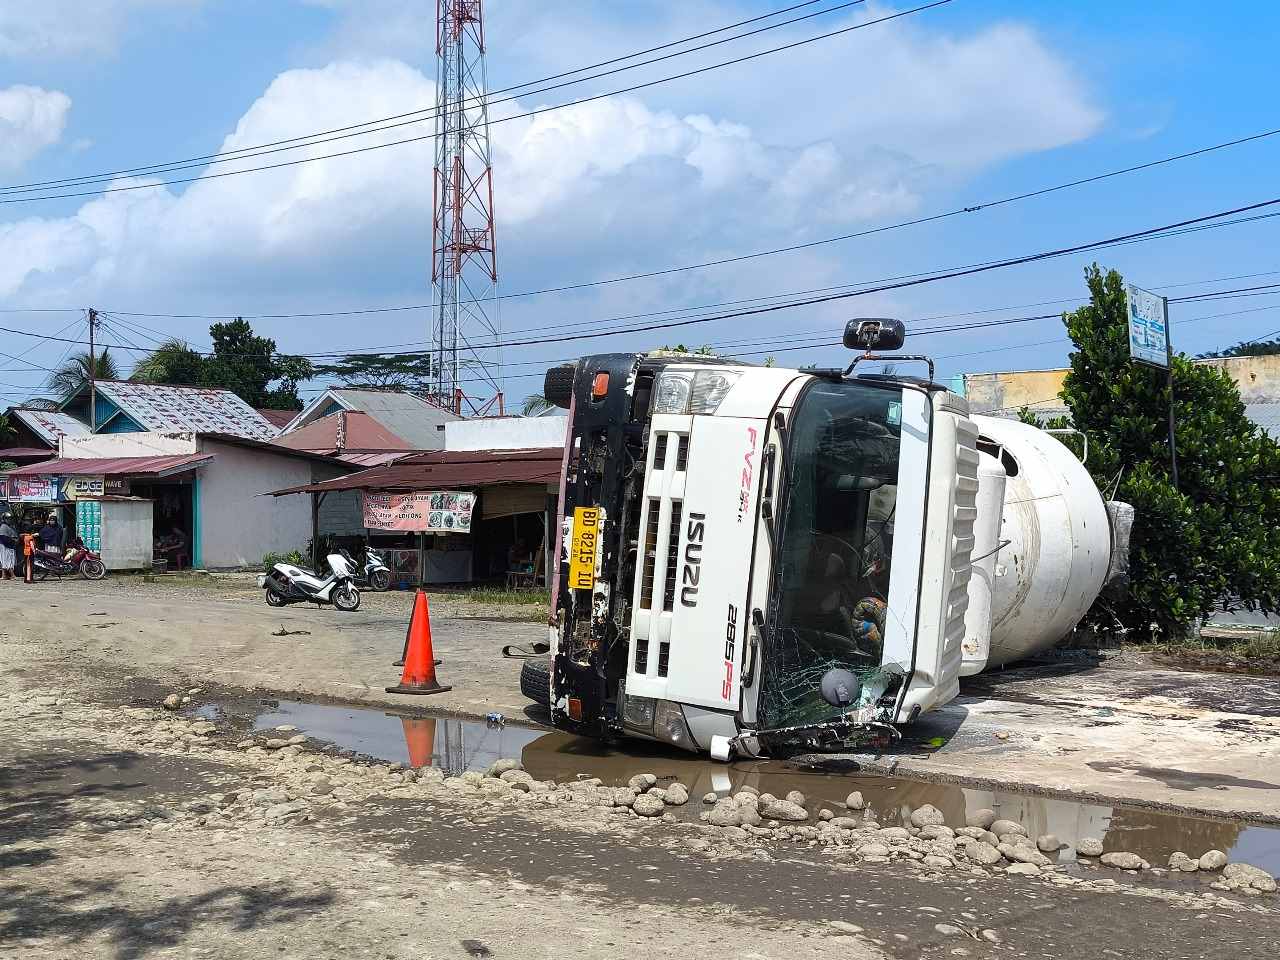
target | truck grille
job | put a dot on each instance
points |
(673, 556)
(650, 555)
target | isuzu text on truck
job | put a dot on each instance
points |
(769, 560)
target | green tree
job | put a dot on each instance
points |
(173, 362)
(1248, 348)
(534, 404)
(78, 368)
(1215, 540)
(246, 364)
(383, 371)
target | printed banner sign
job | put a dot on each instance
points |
(444, 511)
(33, 489)
(77, 487)
(1148, 332)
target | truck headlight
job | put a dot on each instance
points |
(670, 727)
(672, 395)
(637, 713)
(700, 392)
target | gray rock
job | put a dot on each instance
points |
(750, 789)
(1180, 861)
(927, 815)
(1213, 860)
(854, 801)
(1023, 869)
(1250, 876)
(676, 795)
(746, 797)
(1023, 853)
(514, 776)
(1048, 843)
(991, 936)
(984, 853)
(725, 815)
(873, 849)
(275, 743)
(948, 929)
(783, 810)
(647, 805)
(936, 860)
(1004, 828)
(936, 831)
(244, 744)
(172, 702)
(845, 823)
(825, 815)
(299, 739)
(981, 818)
(975, 833)
(285, 728)
(1089, 847)
(322, 788)
(709, 797)
(796, 797)
(895, 833)
(844, 926)
(1124, 860)
(642, 782)
(624, 796)
(504, 765)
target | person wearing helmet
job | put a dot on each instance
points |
(8, 546)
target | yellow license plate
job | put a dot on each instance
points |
(584, 548)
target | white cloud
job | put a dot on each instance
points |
(31, 119)
(38, 29)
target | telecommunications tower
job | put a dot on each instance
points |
(464, 267)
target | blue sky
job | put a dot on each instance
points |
(955, 106)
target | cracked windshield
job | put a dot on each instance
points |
(833, 568)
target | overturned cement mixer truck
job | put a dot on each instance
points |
(761, 560)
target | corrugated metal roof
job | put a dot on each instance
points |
(277, 418)
(442, 470)
(114, 466)
(176, 409)
(409, 417)
(50, 425)
(344, 430)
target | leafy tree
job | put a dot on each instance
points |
(382, 371)
(7, 433)
(534, 404)
(246, 364)
(1247, 348)
(173, 362)
(1214, 540)
(80, 367)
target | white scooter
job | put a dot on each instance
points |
(375, 574)
(287, 584)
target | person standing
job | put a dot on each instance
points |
(28, 540)
(52, 536)
(8, 546)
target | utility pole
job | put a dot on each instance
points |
(1168, 344)
(93, 373)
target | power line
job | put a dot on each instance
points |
(428, 113)
(518, 116)
(738, 258)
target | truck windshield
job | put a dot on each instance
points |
(832, 568)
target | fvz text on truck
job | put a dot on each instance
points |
(763, 560)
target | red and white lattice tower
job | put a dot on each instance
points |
(464, 267)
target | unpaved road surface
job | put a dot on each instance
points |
(1126, 732)
(128, 831)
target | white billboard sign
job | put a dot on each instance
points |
(1148, 330)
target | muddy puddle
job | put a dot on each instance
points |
(460, 745)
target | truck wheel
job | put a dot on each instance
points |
(557, 385)
(535, 680)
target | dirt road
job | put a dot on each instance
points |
(1117, 732)
(127, 831)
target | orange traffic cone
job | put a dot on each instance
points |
(419, 674)
(420, 738)
(413, 616)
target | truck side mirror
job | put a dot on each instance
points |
(876, 333)
(838, 687)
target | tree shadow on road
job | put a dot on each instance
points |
(87, 909)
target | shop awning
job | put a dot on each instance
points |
(114, 466)
(448, 470)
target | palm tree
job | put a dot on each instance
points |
(172, 362)
(534, 404)
(78, 368)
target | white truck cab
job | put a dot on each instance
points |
(770, 560)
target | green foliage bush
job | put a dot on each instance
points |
(294, 557)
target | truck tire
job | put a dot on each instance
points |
(535, 680)
(557, 385)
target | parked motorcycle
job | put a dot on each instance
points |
(287, 584)
(375, 574)
(83, 561)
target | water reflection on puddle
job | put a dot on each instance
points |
(460, 745)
